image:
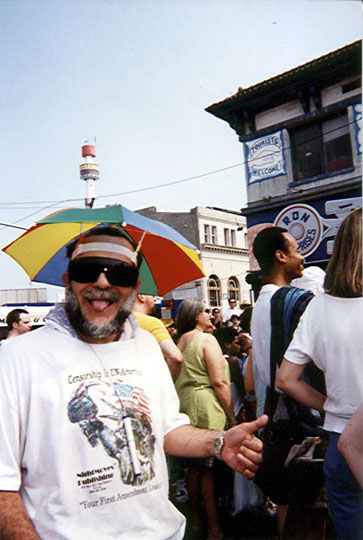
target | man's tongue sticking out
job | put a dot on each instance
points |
(100, 305)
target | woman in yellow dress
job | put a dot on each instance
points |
(204, 391)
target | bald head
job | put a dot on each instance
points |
(145, 303)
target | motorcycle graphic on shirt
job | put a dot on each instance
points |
(117, 416)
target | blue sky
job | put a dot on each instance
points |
(138, 76)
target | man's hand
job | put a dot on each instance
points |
(242, 450)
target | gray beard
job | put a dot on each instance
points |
(82, 326)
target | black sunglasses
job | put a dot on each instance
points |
(118, 273)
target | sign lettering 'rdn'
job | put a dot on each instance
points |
(304, 223)
(265, 157)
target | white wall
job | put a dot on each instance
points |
(281, 113)
(219, 259)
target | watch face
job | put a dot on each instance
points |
(218, 444)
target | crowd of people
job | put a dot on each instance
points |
(307, 375)
(93, 402)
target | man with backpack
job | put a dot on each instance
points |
(277, 253)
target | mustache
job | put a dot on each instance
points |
(87, 328)
(101, 294)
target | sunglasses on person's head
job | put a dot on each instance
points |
(118, 273)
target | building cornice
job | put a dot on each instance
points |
(238, 222)
(332, 61)
(232, 250)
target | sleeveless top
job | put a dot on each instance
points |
(197, 397)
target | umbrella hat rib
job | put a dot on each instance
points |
(116, 214)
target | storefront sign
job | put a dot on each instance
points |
(304, 224)
(313, 225)
(265, 158)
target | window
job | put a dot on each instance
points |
(233, 288)
(214, 235)
(337, 148)
(353, 85)
(321, 148)
(206, 234)
(233, 237)
(227, 238)
(214, 291)
(306, 144)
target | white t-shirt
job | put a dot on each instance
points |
(62, 438)
(330, 334)
(231, 311)
(261, 331)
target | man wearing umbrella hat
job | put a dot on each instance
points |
(88, 411)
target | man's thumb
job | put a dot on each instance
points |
(260, 422)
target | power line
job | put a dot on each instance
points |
(269, 154)
(27, 216)
(128, 192)
(7, 205)
(12, 225)
(172, 183)
(43, 202)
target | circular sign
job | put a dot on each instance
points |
(303, 223)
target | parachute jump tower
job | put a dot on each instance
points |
(89, 172)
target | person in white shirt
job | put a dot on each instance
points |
(330, 334)
(18, 323)
(231, 310)
(88, 410)
(277, 253)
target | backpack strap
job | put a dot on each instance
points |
(287, 306)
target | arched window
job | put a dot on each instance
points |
(214, 291)
(233, 288)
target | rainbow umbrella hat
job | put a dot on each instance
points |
(170, 260)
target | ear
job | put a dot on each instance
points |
(65, 278)
(280, 256)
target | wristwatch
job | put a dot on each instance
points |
(218, 444)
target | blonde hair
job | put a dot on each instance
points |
(344, 271)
